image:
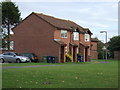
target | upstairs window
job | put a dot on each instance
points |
(87, 37)
(63, 34)
(76, 35)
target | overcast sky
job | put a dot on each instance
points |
(97, 16)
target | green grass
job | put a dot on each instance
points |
(40, 63)
(69, 75)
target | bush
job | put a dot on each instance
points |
(68, 57)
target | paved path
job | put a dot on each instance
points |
(9, 67)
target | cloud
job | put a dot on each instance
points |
(115, 5)
(96, 15)
(90, 23)
(82, 10)
(100, 25)
(111, 19)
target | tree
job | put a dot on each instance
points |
(114, 44)
(10, 17)
(100, 50)
(2, 39)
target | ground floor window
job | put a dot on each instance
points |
(4, 45)
(11, 45)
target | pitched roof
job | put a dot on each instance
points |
(94, 40)
(86, 30)
(73, 44)
(60, 42)
(60, 23)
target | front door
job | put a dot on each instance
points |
(82, 51)
(86, 54)
(74, 53)
(62, 54)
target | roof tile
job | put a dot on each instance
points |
(60, 23)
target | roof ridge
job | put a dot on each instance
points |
(53, 17)
(61, 23)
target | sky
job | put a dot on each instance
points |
(97, 16)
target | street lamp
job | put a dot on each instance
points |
(106, 41)
(104, 49)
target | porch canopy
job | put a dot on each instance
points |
(86, 46)
(61, 43)
(73, 44)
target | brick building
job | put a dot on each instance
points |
(94, 52)
(49, 36)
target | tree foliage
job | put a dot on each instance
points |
(99, 49)
(10, 17)
(114, 43)
(10, 13)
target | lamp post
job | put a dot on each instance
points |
(106, 41)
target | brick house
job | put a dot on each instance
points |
(49, 36)
(94, 52)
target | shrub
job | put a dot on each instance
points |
(68, 57)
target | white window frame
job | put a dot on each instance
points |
(11, 45)
(64, 34)
(76, 35)
(87, 37)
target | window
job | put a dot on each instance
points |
(5, 47)
(87, 37)
(76, 35)
(63, 34)
(11, 45)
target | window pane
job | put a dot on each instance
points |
(76, 36)
(86, 37)
(63, 34)
(11, 45)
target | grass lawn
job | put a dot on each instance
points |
(68, 75)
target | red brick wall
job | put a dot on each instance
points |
(36, 36)
(94, 46)
(57, 35)
(3, 51)
(82, 39)
(89, 44)
(94, 53)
